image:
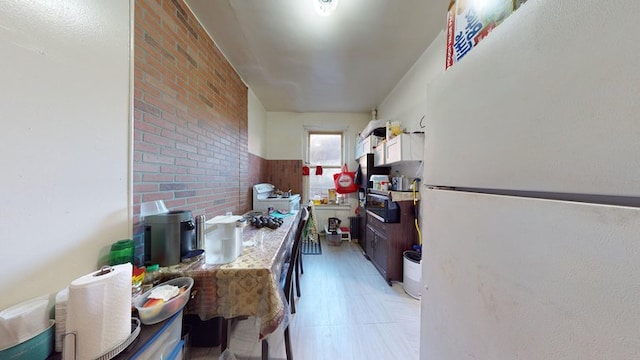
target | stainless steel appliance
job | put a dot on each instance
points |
(380, 206)
(265, 198)
(367, 168)
(168, 237)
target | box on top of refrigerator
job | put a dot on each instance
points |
(470, 21)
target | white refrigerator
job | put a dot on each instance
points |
(531, 209)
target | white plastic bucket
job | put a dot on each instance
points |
(412, 274)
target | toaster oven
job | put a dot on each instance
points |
(380, 206)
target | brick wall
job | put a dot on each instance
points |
(257, 174)
(190, 117)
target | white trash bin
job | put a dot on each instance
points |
(412, 274)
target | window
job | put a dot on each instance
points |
(325, 149)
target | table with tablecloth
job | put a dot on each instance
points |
(247, 286)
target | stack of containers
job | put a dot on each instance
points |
(26, 331)
(62, 297)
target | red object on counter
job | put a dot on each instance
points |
(318, 170)
(344, 181)
(305, 170)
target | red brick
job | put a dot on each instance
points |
(153, 158)
(158, 178)
(145, 187)
(157, 196)
(176, 66)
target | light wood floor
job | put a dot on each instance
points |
(347, 311)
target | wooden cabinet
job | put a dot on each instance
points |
(377, 248)
(385, 242)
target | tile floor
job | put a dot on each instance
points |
(347, 311)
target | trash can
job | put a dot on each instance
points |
(412, 274)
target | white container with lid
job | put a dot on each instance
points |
(223, 239)
(380, 182)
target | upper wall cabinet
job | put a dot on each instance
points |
(404, 147)
(401, 148)
(367, 146)
(379, 155)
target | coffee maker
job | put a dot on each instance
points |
(168, 237)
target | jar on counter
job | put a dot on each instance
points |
(137, 279)
(151, 277)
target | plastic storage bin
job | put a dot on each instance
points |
(165, 343)
(335, 238)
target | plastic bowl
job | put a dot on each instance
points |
(157, 313)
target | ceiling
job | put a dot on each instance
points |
(296, 60)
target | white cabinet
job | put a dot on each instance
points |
(379, 157)
(404, 147)
(366, 146)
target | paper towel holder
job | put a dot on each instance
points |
(64, 343)
(135, 331)
(106, 269)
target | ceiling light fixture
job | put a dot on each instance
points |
(325, 7)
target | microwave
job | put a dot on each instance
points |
(381, 207)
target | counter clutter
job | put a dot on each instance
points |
(248, 286)
(94, 314)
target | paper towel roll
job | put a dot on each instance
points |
(98, 312)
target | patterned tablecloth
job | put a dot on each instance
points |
(248, 286)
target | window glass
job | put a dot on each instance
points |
(320, 185)
(325, 149)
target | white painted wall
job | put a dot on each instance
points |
(65, 142)
(407, 101)
(286, 132)
(257, 118)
